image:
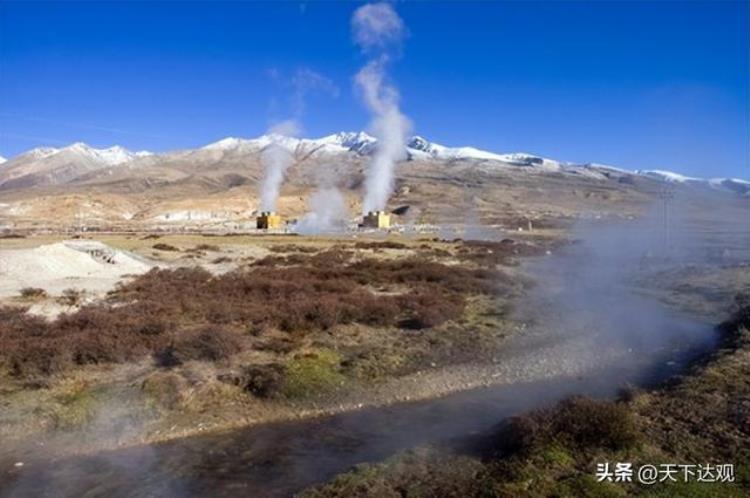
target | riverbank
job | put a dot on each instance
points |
(699, 419)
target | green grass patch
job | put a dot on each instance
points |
(694, 489)
(312, 374)
(76, 406)
(558, 456)
(586, 486)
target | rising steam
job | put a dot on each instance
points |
(327, 213)
(378, 30)
(276, 159)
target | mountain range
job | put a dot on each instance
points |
(218, 183)
(52, 166)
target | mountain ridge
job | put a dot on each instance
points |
(48, 165)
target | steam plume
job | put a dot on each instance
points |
(276, 159)
(327, 213)
(377, 29)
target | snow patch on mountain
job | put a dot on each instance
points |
(111, 157)
(343, 142)
(228, 143)
(3, 160)
(38, 153)
(419, 144)
(733, 184)
(666, 176)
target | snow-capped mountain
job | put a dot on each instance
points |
(111, 157)
(3, 160)
(50, 166)
(417, 145)
(38, 153)
(741, 187)
(358, 142)
(47, 165)
(667, 176)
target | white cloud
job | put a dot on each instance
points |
(376, 26)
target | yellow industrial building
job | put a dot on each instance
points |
(268, 219)
(376, 219)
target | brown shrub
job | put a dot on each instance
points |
(517, 434)
(71, 297)
(33, 293)
(427, 310)
(161, 246)
(206, 247)
(263, 381)
(384, 244)
(189, 314)
(284, 248)
(34, 358)
(208, 344)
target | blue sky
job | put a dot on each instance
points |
(636, 84)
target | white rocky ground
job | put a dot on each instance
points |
(86, 265)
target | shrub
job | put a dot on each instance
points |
(30, 359)
(739, 319)
(167, 358)
(589, 423)
(283, 248)
(263, 381)
(161, 246)
(427, 310)
(71, 297)
(384, 244)
(187, 313)
(33, 293)
(579, 422)
(206, 247)
(209, 344)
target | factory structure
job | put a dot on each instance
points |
(376, 219)
(268, 220)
